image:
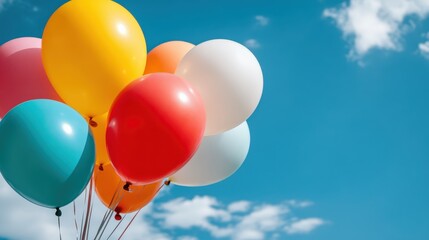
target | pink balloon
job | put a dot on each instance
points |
(22, 76)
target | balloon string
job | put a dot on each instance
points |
(75, 221)
(85, 227)
(135, 215)
(117, 225)
(85, 207)
(109, 212)
(83, 211)
(165, 183)
(59, 227)
(103, 219)
(89, 222)
(102, 222)
(120, 196)
(106, 224)
(90, 217)
(128, 225)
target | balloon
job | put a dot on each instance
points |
(229, 79)
(22, 76)
(99, 131)
(166, 57)
(109, 189)
(217, 158)
(155, 125)
(46, 152)
(91, 50)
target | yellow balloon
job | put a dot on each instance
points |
(98, 126)
(91, 50)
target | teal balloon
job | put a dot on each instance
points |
(47, 152)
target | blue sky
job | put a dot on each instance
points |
(340, 140)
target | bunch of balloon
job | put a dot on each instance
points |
(51, 88)
(227, 77)
(88, 96)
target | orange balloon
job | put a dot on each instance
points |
(107, 183)
(166, 57)
(98, 126)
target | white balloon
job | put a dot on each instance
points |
(229, 79)
(217, 158)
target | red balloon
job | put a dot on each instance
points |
(155, 126)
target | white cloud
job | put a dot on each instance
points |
(196, 212)
(376, 24)
(249, 234)
(239, 206)
(304, 225)
(264, 219)
(252, 43)
(424, 47)
(262, 20)
(187, 238)
(240, 220)
(40, 223)
(4, 3)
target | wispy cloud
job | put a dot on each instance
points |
(187, 238)
(299, 204)
(196, 212)
(376, 24)
(262, 20)
(4, 3)
(239, 206)
(260, 222)
(239, 220)
(424, 47)
(252, 43)
(304, 225)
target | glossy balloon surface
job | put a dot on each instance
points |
(46, 152)
(155, 125)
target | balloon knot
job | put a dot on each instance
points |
(58, 213)
(167, 182)
(100, 167)
(118, 217)
(127, 186)
(92, 122)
